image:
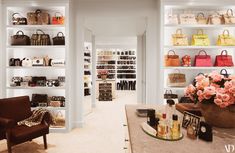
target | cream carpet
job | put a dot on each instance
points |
(102, 133)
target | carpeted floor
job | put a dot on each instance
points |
(102, 133)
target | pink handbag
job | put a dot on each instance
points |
(202, 60)
(224, 60)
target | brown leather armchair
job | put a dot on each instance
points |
(16, 109)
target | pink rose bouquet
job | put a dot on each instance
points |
(212, 88)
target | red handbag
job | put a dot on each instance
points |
(58, 19)
(202, 60)
(224, 60)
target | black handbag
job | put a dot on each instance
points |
(18, 20)
(169, 95)
(185, 99)
(39, 81)
(39, 100)
(59, 40)
(224, 72)
(40, 39)
(20, 39)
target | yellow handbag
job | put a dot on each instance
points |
(226, 39)
(200, 39)
(229, 18)
(201, 19)
(179, 39)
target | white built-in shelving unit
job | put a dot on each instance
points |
(212, 31)
(54, 52)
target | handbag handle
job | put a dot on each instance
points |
(199, 53)
(39, 30)
(179, 31)
(59, 114)
(60, 14)
(13, 15)
(200, 31)
(226, 52)
(60, 33)
(171, 51)
(18, 32)
(168, 92)
(231, 11)
(177, 70)
(200, 14)
(38, 11)
(226, 30)
(224, 70)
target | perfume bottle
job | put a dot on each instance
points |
(175, 128)
(162, 127)
(192, 130)
(170, 109)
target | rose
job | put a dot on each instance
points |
(216, 77)
(228, 85)
(203, 83)
(209, 92)
(199, 78)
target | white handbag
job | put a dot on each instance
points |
(187, 19)
(229, 18)
(215, 19)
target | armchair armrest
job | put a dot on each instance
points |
(7, 123)
(47, 119)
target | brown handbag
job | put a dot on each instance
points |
(172, 60)
(59, 40)
(176, 79)
(40, 39)
(38, 18)
(20, 39)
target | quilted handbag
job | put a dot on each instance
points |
(228, 18)
(187, 19)
(40, 39)
(179, 39)
(215, 19)
(59, 40)
(225, 39)
(200, 39)
(20, 20)
(172, 60)
(20, 39)
(58, 18)
(202, 60)
(224, 60)
(38, 18)
(176, 79)
(201, 19)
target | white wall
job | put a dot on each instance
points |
(1, 50)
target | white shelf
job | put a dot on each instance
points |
(199, 47)
(35, 47)
(50, 26)
(36, 67)
(106, 55)
(199, 26)
(198, 68)
(53, 88)
(87, 87)
(126, 79)
(105, 80)
(175, 88)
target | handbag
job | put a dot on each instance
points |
(170, 96)
(224, 60)
(172, 60)
(172, 19)
(18, 20)
(58, 19)
(215, 19)
(40, 39)
(225, 39)
(176, 79)
(201, 19)
(186, 60)
(179, 39)
(38, 18)
(187, 19)
(200, 39)
(226, 75)
(59, 40)
(20, 39)
(202, 60)
(229, 18)
(59, 119)
(39, 100)
(185, 99)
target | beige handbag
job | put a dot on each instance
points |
(172, 19)
(201, 19)
(228, 18)
(187, 19)
(176, 79)
(59, 120)
(215, 19)
(179, 39)
(172, 60)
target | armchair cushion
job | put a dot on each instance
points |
(23, 133)
(7, 123)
